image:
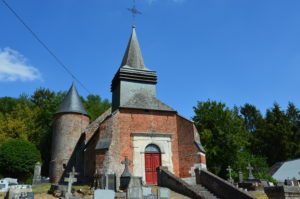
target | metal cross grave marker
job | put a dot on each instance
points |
(134, 12)
(250, 169)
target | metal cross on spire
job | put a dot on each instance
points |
(134, 12)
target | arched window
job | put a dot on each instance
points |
(152, 148)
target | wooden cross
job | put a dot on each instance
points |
(250, 168)
(126, 162)
(71, 179)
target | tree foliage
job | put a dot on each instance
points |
(31, 117)
(223, 134)
(18, 157)
(242, 135)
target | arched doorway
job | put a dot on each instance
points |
(152, 161)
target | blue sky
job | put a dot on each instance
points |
(234, 51)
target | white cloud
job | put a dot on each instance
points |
(13, 67)
(175, 1)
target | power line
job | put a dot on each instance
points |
(59, 61)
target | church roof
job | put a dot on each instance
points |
(284, 170)
(133, 57)
(72, 103)
(144, 101)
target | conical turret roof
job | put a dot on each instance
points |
(72, 103)
(133, 57)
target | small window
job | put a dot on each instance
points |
(152, 148)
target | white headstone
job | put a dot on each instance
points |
(163, 193)
(104, 193)
(147, 191)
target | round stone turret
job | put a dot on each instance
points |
(69, 122)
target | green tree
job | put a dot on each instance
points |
(47, 103)
(21, 122)
(17, 158)
(251, 116)
(223, 135)
(95, 106)
(277, 137)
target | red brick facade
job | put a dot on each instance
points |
(123, 122)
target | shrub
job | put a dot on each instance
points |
(17, 158)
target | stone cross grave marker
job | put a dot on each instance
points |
(126, 176)
(250, 169)
(229, 169)
(126, 162)
(71, 179)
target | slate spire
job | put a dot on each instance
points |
(72, 103)
(133, 57)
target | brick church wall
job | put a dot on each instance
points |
(189, 153)
(147, 121)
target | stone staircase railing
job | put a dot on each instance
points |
(219, 187)
(169, 180)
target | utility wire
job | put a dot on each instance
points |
(59, 61)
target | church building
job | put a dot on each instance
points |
(138, 126)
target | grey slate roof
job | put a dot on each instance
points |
(143, 101)
(72, 103)
(284, 170)
(133, 56)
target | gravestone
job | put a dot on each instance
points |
(135, 190)
(295, 182)
(250, 169)
(147, 191)
(104, 194)
(111, 181)
(126, 176)
(71, 179)
(163, 193)
(230, 180)
(27, 195)
(37, 174)
(241, 177)
(265, 183)
(288, 182)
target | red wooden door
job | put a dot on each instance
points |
(152, 161)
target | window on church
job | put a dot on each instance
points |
(152, 148)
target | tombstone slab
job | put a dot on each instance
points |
(147, 191)
(135, 190)
(163, 193)
(104, 194)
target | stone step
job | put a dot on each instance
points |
(206, 193)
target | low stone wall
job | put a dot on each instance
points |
(219, 186)
(283, 192)
(169, 180)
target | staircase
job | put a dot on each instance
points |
(208, 186)
(204, 192)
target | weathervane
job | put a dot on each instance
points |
(134, 12)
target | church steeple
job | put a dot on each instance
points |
(72, 103)
(134, 85)
(133, 56)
